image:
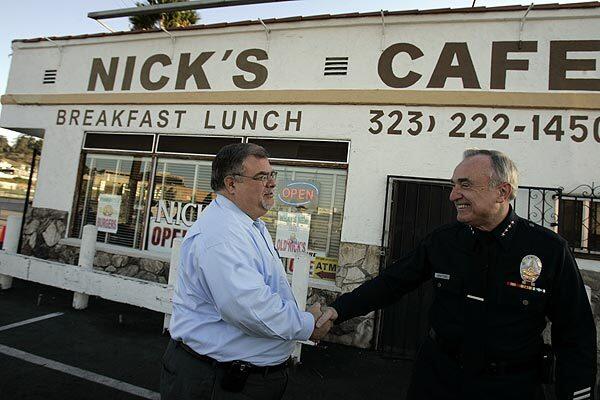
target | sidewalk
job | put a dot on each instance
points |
(123, 344)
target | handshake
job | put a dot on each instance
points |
(324, 317)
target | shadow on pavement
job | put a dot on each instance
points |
(125, 343)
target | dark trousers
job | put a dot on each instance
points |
(184, 377)
(436, 376)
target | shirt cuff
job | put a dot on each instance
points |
(308, 325)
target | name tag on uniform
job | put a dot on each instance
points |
(441, 276)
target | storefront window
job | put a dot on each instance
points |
(114, 192)
(181, 191)
(307, 216)
(121, 178)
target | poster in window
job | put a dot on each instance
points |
(107, 218)
(170, 220)
(292, 233)
(324, 268)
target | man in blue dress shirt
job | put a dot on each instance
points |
(235, 321)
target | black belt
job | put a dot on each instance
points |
(454, 352)
(251, 367)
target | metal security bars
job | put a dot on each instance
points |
(579, 221)
(539, 205)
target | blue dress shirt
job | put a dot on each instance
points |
(233, 301)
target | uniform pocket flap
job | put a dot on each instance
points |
(448, 283)
(525, 299)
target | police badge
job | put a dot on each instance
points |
(530, 269)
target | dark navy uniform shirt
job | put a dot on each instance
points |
(515, 309)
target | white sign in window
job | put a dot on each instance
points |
(107, 218)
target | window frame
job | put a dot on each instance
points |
(336, 174)
(91, 149)
(155, 157)
(76, 196)
(583, 247)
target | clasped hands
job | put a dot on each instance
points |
(324, 317)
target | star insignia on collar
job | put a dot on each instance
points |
(508, 228)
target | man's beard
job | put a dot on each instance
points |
(266, 204)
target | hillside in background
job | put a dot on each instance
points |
(15, 161)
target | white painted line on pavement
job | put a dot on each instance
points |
(80, 373)
(29, 321)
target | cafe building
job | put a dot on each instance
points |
(364, 116)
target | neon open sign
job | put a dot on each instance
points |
(299, 193)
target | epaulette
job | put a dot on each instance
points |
(546, 233)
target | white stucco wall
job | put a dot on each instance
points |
(372, 157)
(296, 58)
(59, 164)
(297, 51)
(57, 174)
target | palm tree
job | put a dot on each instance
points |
(167, 20)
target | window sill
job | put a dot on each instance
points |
(123, 251)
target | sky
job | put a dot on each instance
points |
(25, 19)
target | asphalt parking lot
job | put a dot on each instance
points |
(48, 351)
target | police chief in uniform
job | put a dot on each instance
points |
(496, 279)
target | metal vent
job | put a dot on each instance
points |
(50, 76)
(336, 66)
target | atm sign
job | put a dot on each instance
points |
(299, 193)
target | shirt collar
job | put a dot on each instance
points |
(227, 204)
(503, 233)
(506, 229)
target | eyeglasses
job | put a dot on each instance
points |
(264, 178)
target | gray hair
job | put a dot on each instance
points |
(230, 161)
(504, 169)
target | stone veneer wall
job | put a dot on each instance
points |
(43, 230)
(358, 263)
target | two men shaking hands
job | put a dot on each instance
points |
(324, 318)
